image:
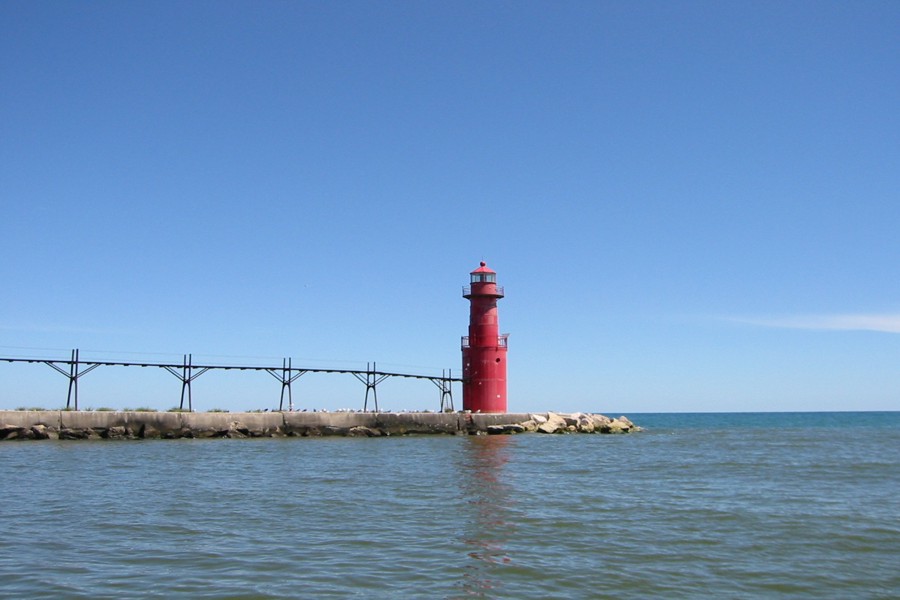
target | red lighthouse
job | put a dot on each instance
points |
(484, 349)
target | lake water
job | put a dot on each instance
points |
(696, 506)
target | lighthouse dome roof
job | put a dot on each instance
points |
(483, 269)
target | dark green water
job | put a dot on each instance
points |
(697, 506)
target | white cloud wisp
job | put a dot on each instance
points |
(886, 323)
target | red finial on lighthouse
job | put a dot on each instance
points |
(484, 349)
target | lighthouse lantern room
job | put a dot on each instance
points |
(484, 349)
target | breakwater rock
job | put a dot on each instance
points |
(66, 425)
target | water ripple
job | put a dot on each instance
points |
(737, 512)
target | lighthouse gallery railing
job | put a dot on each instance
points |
(467, 291)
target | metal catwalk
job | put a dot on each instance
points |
(74, 368)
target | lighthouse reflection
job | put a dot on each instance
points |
(488, 523)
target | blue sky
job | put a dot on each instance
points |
(693, 206)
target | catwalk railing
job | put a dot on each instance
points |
(75, 368)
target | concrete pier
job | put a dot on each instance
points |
(63, 424)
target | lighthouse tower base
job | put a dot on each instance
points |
(484, 379)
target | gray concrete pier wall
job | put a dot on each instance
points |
(61, 424)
